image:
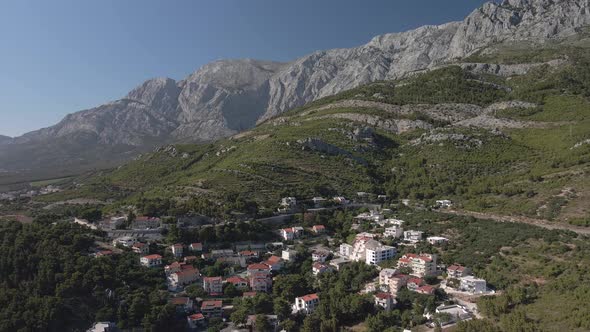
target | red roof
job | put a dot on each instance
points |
(198, 316)
(235, 280)
(248, 253)
(187, 272)
(139, 245)
(274, 259)
(212, 279)
(249, 294)
(319, 265)
(426, 289)
(417, 281)
(104, 253)
(288, 230)
(456, 267)
(190, 258)
(179, 300)
(154, 256)
(196, 245)
(383, 296)
(258, 266)
(319, 227)
(309, 297)
(211, 304)
(177, 245)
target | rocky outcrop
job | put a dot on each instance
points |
(229, 96)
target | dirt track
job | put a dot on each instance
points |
(524, 220)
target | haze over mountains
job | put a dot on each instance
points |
(228, 96)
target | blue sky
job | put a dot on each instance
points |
(59, 57)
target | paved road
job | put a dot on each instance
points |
(524, 220)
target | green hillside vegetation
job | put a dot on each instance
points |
(533, 171)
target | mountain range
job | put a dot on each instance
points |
(229, 96)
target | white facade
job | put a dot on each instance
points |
(413, 236)
(377, 254)
(473, 285)
(345, 250)
(444, 203)
(437, 240)
(151, 260)
(393, 231)
(306, 303)
(288, 254)
(421, 265)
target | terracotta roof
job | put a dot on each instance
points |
(177, 245)
(319, 227)
(198, 316)
(427, 289)
(186, 272)
(417, 281)
(211, 304)
(235, 279)
(274, 259)
(249, 294)
(248, 253)
(196, 244)
(179, 300)
(309, 297)
(288, 230)
(173, 265)
(139, 245)
(319, 265)
(258, 266)
(211, 279)
(154, 256)
(383, 296)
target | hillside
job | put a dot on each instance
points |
(226, 97)
(514, 144)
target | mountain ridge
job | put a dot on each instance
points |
(225, 97)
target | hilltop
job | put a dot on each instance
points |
(226, 97)
(511, 139)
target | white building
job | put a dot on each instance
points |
(177, 249)
(291, 233)
(125, 241)
(318, 201)
(437, 240)
(151, 260)
(394, 231)
(307, 303)
(473, 285)
(288, 204)
(457, 271)
(385, 275)
(376, 253)
(319, 256)
(289, 254)
(340, 200)
(413, 236)
(183, 278)
(444, 203)
(421, 265)
(345, 250)
(385, 301)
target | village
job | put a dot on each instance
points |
(243, 270)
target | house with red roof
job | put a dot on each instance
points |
(140, 248)
(184, 277)
(426, 289)
(249, 294)
(306, 304)
(196, 321)
(421, 265)
(104, 253)
(213, 285)
(196, 247)
(151, 260)
(319, 268)
(182, 304)
(291, 233)
(457, 271)
(177, 249)
(248, 253)
(414, 283)
(318, 229)
(238, 282)
(257, 268)
(274, 262)
(212, 308)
